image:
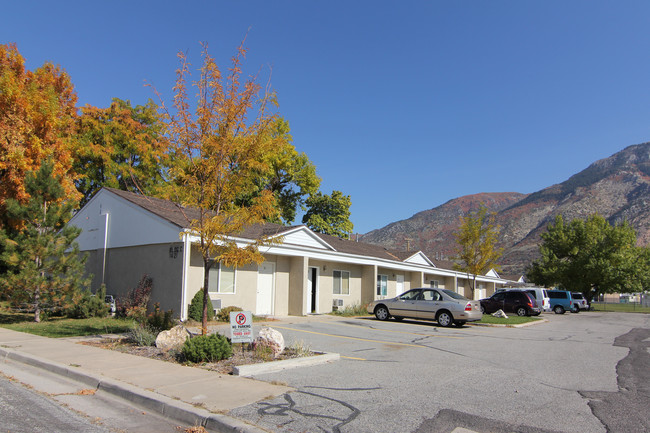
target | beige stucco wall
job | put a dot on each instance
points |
(126, 266)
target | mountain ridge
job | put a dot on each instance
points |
(617, 187)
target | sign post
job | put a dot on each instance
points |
(241, 327)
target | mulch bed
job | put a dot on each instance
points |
(225, 366)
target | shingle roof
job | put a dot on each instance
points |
(359, 248)
(182, 216)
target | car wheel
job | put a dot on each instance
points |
(381, 313)
(558, 309)
(521, 311)
(482, 309)
(459, 324)
(576, 309)
(445, 319)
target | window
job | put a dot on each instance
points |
(431, 295)
(382, 285)
(341, 282)
(411, 295)
(434, 284)
(222, 279)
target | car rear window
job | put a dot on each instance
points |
(557, 295)
(454, 295)
(577, 296)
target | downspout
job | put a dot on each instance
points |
(186, 266)
(105, 247)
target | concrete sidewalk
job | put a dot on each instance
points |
(191, 395)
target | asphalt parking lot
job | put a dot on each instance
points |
(411, 376)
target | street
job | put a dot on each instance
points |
(23, 410)
(559, 376)
(35, 401)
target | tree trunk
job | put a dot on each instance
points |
(206, 277)
(37, 306)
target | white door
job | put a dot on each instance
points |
(399, 283)
(265, 286)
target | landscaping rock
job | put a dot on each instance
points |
(500, 313)
(175, 337)
(271, 338)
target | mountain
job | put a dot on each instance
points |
(617, 187)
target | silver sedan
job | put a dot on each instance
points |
(442, 305)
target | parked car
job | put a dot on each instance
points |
(442, 305)
(518, 302)
(561, 301)
(579, 301)
(539, 293)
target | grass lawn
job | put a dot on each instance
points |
(58, 328)
(511, 320)
(61, 327)
(620, 308)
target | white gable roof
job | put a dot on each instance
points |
(492, 273)
(302, 236)
(420, 259)
(120, 223)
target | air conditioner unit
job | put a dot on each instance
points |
(216, 304)
(337, 302)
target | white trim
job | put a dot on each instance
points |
(187, 249)
(106, 215)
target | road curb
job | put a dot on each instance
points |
(166, 406)
(498, 325)
(275, 366)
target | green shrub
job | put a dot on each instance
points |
(207, 348)
(161, 320)
(86, 305)
(142, 335)
(223, 315)
(195, 311)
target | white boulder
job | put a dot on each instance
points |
(175, 337)
(271, 338)
(500, 313)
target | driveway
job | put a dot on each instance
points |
(559, 376)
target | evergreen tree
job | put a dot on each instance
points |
(43, 265)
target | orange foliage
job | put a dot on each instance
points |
(37, 111)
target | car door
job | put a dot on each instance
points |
(495, 302)
(513, 301)
(428, 304)
(405, 305)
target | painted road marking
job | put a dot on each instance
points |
(396, 332)
(351, 338)
(352, 357)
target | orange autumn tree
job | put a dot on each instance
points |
(217, 151)
(37, 115)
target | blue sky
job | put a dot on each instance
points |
(401, 105)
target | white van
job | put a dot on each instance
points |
(539, 293)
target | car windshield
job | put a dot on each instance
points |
(454, 295)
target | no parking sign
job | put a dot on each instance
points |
(241, 327)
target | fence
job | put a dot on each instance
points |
(629, 307)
